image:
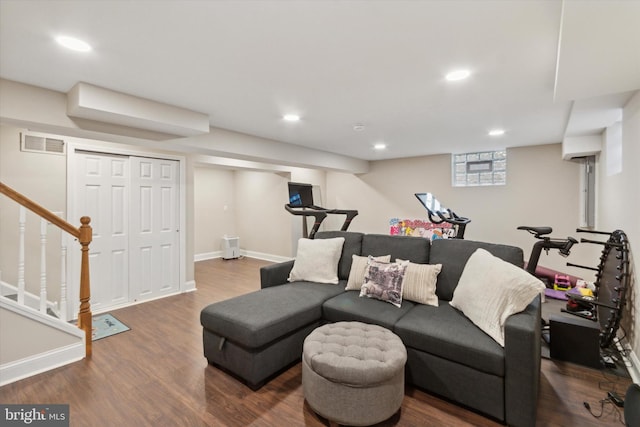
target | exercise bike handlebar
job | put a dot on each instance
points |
(438, 217)
(453, 218)
(566, 244)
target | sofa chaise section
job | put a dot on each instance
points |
(257, 334)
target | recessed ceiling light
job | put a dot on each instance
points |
(73, 43)
(291, 117)
(457, 75)
(380, 146)
(496, 132)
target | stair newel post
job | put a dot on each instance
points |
(84, 315)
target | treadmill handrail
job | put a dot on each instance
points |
(320, 214)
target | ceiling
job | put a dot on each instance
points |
(535, 66)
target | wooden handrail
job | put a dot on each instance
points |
(84, 234)
(39, 210)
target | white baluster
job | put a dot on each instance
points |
(21, 227)
(63, 276)
(43, 265)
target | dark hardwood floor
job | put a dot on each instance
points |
(156, 375)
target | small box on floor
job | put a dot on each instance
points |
(575, 340)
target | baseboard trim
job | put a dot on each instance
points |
(189, 286)
(633, 368)
(207, 255)
(132, 303)
(249, 254)
(39, 363)
(629, 358)
(265, 257)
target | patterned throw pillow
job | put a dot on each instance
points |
(383, 281)
(358, 268)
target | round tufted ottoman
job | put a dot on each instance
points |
(353, 373)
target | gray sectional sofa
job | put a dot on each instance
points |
(257, 335)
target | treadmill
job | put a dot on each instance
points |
(301, 204)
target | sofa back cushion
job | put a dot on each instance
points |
(453, 255)
(414, 249)
(352, 246)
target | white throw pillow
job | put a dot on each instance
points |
(358, 267)
(317, 260)
(490, 290)
(420, 283)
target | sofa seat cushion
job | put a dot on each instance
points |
(258, 318)
(349, 306)
(445, 332)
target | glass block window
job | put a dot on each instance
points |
(481, 168)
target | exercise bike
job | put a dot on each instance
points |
(563, 246)
(612, 275)
(546, 242)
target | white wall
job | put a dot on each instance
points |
(254, 203)
(261, 221)
(541, 189)
(619, 204)
(214, 208)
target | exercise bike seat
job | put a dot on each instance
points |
(537, 231)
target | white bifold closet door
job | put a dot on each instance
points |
(133, 204)
(154, 228)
